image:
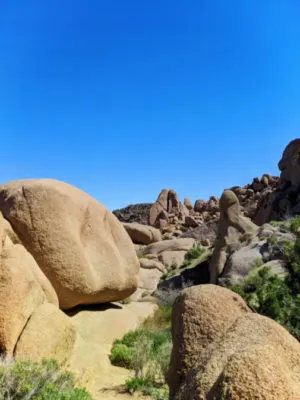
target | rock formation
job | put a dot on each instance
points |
(142, 234)
(233, 228)
(167, 207)
(283, 201)
(223, 350)
(169, 252)
(151, 270)
(189, 205)
(78, 244)
(49, 333)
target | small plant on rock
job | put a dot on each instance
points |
(195, 252)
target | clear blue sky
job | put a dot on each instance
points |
(124, 98)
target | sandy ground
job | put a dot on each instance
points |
(97, 329)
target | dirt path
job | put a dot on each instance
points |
(98, 328)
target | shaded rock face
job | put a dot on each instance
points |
(195, 274)
(223, 350)
(234, 228)
(203, 233)
(258, 251)
(283, 201)
(289, 166)
(187, 202)
(134, 213)
(79, 245)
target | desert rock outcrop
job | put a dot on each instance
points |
(142, 234)
(169, 252)
(283, 201)
(79, 245)
(233, 228)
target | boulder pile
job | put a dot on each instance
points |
(283, 201)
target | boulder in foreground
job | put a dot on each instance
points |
(224, 351)
(79, 245)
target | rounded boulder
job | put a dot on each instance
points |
(79, 245)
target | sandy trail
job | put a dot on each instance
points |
(97, 329)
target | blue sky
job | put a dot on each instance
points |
(124, 98)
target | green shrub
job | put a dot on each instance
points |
(273, 241)
(134, 384)
(121, 355)
(274, 297)
(294, 224)
(148, 350)
(259, 262)
(195, 252)
(38, 381)
(147, 388)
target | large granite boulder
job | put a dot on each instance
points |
(142, 234)
(79, 245)
(224, 351)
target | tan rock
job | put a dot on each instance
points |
(148, 263)
(169, 245)
(80, 246)
(190, 222)
(173, 202)
(221, 350)
(149, 279)
(172, 258)
(169, 229)
(155, 211)
(23, 288)
(206, 312)
(289, 164)
(163, 199)
(48, 334)
(183, 213)
(142, 234)
(188, 204)
(212, 204)
(200, 206)
(167, 207)
(233, 227)
(161, 205)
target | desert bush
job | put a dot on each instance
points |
(27, 380)
(147, 388)
(277, 298)
(121, 355)
(294, 224)
(147, 350)
(195, 252)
